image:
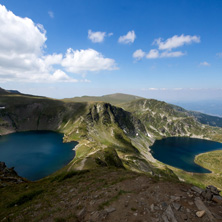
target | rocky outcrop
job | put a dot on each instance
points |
(211, 193)
(9, 175)
(107, 114)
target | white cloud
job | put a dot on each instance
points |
(51, 14)
(53, 59)
(176, 41)
(204, 64)
(167, 54)
(128, 38)
(153, 89)
(96, 36)
(81, 61)
(162, 89)
(139, 54)
(20, 35)
(165, 48)
(22, 56)
(59, 75)
(153, 54)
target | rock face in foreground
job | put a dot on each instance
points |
(8, 175)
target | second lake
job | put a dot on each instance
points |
(180, 152)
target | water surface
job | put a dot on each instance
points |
(181, 151)
(35, 154)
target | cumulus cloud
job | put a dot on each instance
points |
(165, 47)
(59, 75)
(128, 38)
(96, 36)
(204, 64)
(81, 61)
(20, 35)
(139, 54)
(152, 54)
(176, 41)
(51, 14)
(22, 57)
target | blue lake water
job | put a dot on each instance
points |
(35, 154)
(181, 151)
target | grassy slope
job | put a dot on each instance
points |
(211, 161)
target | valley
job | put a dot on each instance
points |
(115, 135)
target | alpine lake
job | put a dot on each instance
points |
(180, 152)
(35, 154)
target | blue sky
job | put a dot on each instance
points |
(168, 50)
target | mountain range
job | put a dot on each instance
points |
(114, 135)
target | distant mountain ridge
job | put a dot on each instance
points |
(120, 99)
(114, 99)
(5, 92)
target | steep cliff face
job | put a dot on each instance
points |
(23, 113)
(106, 114)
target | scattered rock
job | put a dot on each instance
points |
(207, 195)
(201, 207)
(81, 213)
(200, 213)
(163, 205)
(184, 217)
(168, 215)
(183, 189)
(110, 209)
(197, 189)
(177, 206)
(174, 198)
(218, 217)
(217, 199)
(213, 190)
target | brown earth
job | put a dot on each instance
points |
(105, 195)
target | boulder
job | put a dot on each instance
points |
(197, 189)
(217, 199)
(200, 213)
